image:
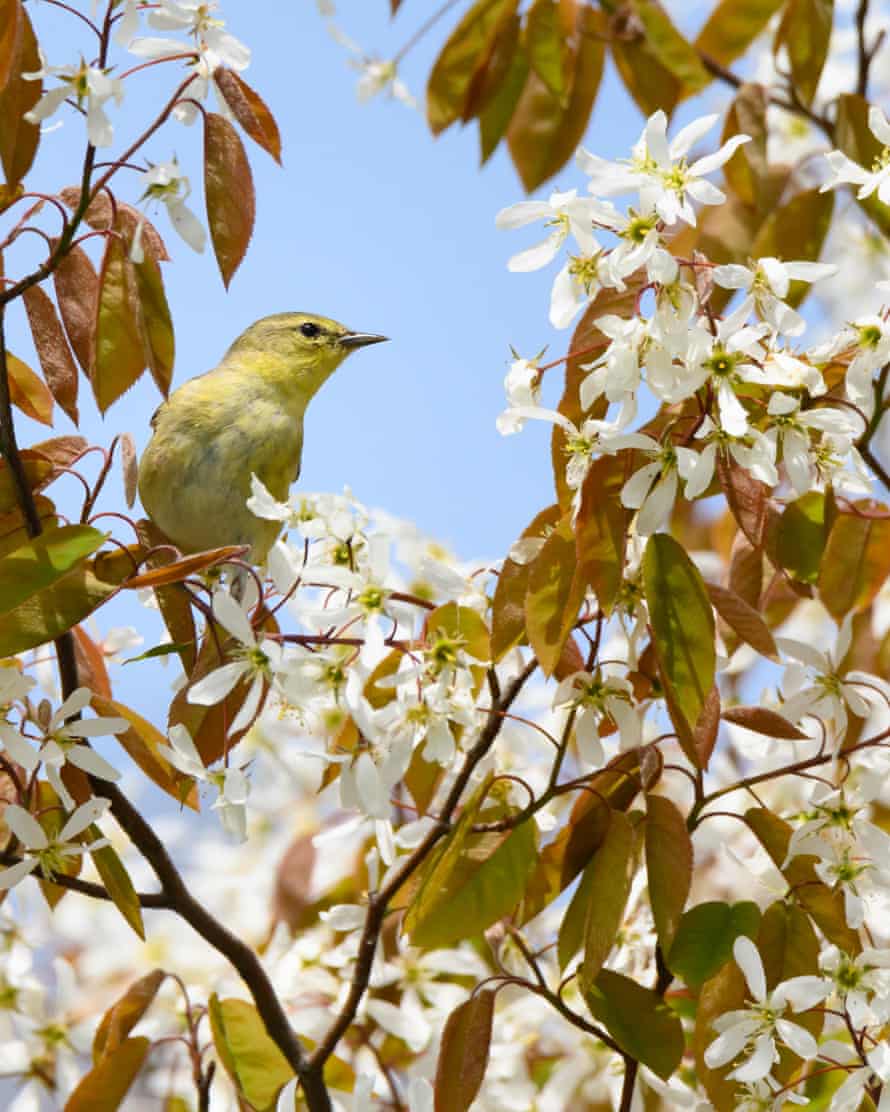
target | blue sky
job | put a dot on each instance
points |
(372, 222)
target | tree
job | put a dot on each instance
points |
(533, 902)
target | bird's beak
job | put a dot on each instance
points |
(361, 339)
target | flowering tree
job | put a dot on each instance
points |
(603, 826)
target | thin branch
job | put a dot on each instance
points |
(85, 887)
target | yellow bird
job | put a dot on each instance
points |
(243, 417)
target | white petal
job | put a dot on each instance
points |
(248, 709)
(89, 761)
(84, 816)
(726, 1046)
(11, 876)
(18, 748)
(25, 827)
(372, 794)
(216, 685)
(533, 258)
(713, 161)
(759, 1064)
(522, 213)
(688, 136)
(232, 618)
(97, 727)
(748, 960)
(797, 1038)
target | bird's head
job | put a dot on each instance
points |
(309, 347)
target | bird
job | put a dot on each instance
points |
(244, 417)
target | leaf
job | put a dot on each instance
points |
(463, 1053)
(118, 353)
(555, 594)
(478, 880)
(294, 890)
(466, 52)
(671, 49)
(11, 20)
(459, 624)
(250, 110)
(682, 624)
(762, 720)
(101, 215)
(601, 531)
(747, 172)
(508, 604)
(495, 68)
(545, 45)
(56, 360)
(28, 392)
(746, 497)
(826, 906)
(639, 1020)
(117, 882)
(39, 583)
(545, 130)
(856, 561)
(732, 26)
(141, 740)
(797, 540)
(668, 865)
(249, 1056)
(597, 908)
(105, 1087)
(91, 663)
(77, 292)
(228, 189)
(854, 137)
(705, 936)
(19, 138)
(796, 230)
(125, 1013)
(495, 116)
(723, 993)
(178, 570)
(743, 619)
(155, 323)
(129, 468)
(647, 79)
(805, 32)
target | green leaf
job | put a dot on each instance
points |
(19, 138)
(668, 865)
(125, 1013)
(704, 939)
(796, 230)
(798, 538)
(463, 1053)
(823, 904)
(545, 130)
(508, 604)
(105, 1087)
(463, 625)
(476, 880)
(155, 322)
(466, 52)
(28, 392)
(229, 192)
(495, 117)
(250, 110)
(672, 50)
(856, 561)
(639, 1020)
(732, 26)
(555, 594)
(805, 32)
(46, 589)
(118, 352)
(682, 624)
(601, 530)
(117, 883)
(545, 45)
(257, 1067)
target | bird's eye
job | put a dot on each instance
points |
(309, 330)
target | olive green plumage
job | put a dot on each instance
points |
(243, 417)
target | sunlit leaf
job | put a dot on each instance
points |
(797, 540)
(28, 392)
(854, 137)
(105, 1087)
(494, 69)
(155, 322)
(125, 1013)
(668, 865)
(11, 21)
(229, 192)
(91, 667)
(463, 1054)
(601, 530)
(743, 619)
(732, 26)
(805, 32)
(639, 1021)
(18, 137)
(462, 625)
(508, 605)
(682, 623)
(746, 171)
(118, 353)
(249, 1056)
(178, 570)
(545, 45)
(762, 720)
(703, 943)
(56, 360)
(555, 594)
(746, 497)
(495, 117)
(250, 110)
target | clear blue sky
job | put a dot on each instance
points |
(372, 222)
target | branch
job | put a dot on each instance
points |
(378, 902)
(85, 887)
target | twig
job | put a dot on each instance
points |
(85, 887)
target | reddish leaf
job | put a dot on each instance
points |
(155, 323)
(856, 561)
(555, 594)
(11, 30)
(102, 215)
(743, 619)
(77, 292)
(293, 883)
(704, 733)
(762, 720)
(18, 137)
(91, 664)
(747, 498)
(508, 605)
(668, 866)
(130, 468)
(546, 129)
(228, 187)
(182, 569)
(746, 570)
(119, 354)
(732, 26)
(28, 392)
(463, 1055)
(601, 530)
(56, 361)
(250, 110)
